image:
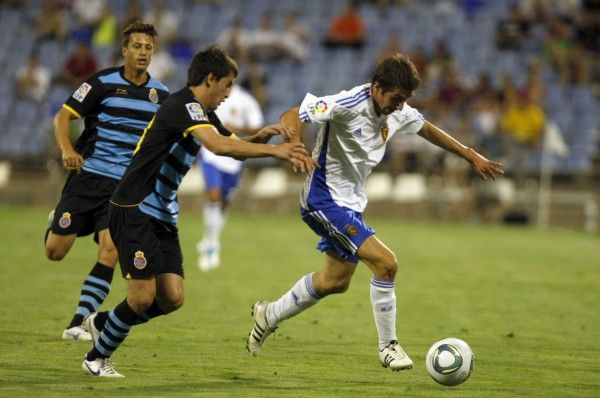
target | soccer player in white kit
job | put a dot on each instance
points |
(356, 125)
(240, 113)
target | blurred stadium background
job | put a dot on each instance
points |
(486, 65)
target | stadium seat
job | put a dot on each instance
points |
(379, 186)
(410, 188)
(270, 182)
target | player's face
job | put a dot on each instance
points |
(389, 101)
(139, 51)
(219, 89)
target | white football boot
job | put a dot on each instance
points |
(100, 367)
(394, 357)
(88, 323)
(208, 255)
(261, 329)
(76, 333)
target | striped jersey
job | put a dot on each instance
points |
(115, 111)
(164, 155)
(350, 143)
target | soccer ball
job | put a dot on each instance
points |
(449, 361)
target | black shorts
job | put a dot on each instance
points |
(147, 247)
(83, 206)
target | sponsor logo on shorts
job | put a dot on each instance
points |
(153, 95)
(82, 92)
(139, 260)
(351, 229)
(65, 220)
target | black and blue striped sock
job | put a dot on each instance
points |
(116, 328)
(93, 292)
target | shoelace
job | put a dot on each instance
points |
(108, 366)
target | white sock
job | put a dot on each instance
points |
(214, 220)
(383, 300)
(300, 297)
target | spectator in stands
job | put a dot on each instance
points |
(451, 90)
(80, 65)
(392, 45)
(165, 21)
(523, 124)
(51, 21)
(557, 43)
(295, 37)
(105, 33)
(133, 13)
(88, 11)
(264, 43)
(234, 39)
(33, 79)
(163, 66)
(512, 32)
(254, 79)
(346, 29)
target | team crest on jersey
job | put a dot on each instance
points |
(153, 95)
(318, 107)
(65, 220)
(139, 261)
(195, 111)
(384, 132)
(82, 92)
(121, 91)
(351, 230)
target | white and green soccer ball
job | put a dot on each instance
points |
(449, 361)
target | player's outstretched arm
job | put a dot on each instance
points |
(71, 160)
(291, 119)
(264, 135)
(239, 149)
(480, 164)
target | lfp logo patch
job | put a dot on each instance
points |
(321, 106)
(139, 261)
(82, 92)
(65, 220)
(318, 107)
(195, 111)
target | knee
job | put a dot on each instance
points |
(336, 285)
(171, 303)
(140, 303)
(53, 253)
(387, 267)
(108, 255)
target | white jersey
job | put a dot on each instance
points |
(239, 111)
(350, 143)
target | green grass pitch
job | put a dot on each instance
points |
(527, 302)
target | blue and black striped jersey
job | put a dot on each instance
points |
(116, 112)
(164, 155)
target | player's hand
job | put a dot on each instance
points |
(286, 132)
(485, 167)
(296, 154)
(71, 160)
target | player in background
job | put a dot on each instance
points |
(143, 212)
(356, 125)
(240, 113)
(116, 103)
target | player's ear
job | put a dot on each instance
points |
(211, 79)
(123, 50)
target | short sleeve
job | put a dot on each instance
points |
(408, 121)
(86, 99)
(318, 109)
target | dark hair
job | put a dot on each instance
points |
(396, 71)
(212, 60)
(138, 27)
